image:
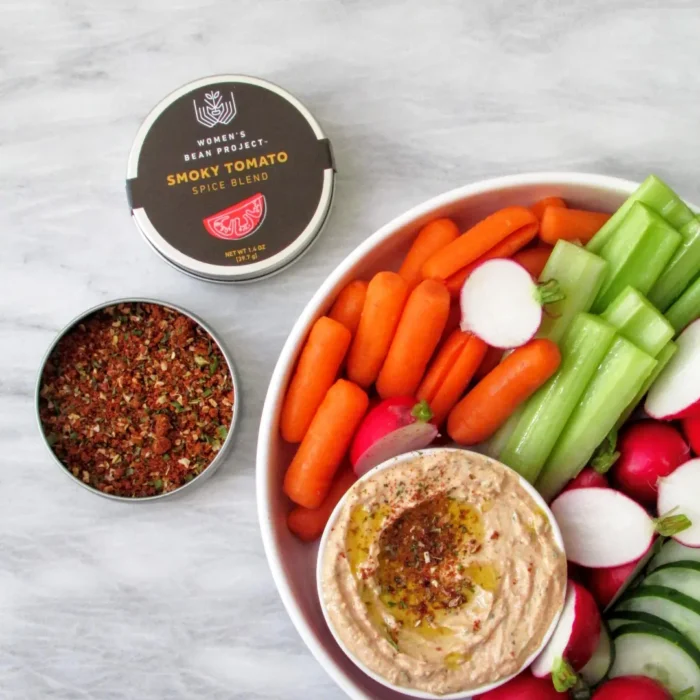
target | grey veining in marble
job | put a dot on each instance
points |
(173, 601)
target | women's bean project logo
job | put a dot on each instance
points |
(215, 109)
(238, 221)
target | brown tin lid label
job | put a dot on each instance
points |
(230, 177)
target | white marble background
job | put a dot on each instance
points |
(174, 600)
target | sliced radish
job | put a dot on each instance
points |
(502, 305)
(601, 661)
(394, 426)
(676, 391)
(574, 640)
(603, 527)
(649, 450)
(680, 492)
(524, 687)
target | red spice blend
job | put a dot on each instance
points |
(136, 400)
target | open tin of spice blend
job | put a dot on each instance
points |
(137, 400)
(230, 179)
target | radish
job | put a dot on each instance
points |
(648, 450)
(574, 640)
(394, 426)
(691, 430)
(588, 478)
(524, 687)
(632, 688)
(607, 584)
(502, 305)
(676, 391)
(604, 528)
(679, 491)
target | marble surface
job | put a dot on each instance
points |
(174, 600)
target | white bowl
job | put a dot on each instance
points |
(292, 562)
(389, 464)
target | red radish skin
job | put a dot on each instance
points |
(524, 687)
(648, 450)
(678, 492)
(576, 635)
(676, 392)
(691, 430)
(605, 584)
(394, 426)
(588, 478)
(632, 688)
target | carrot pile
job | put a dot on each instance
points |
(397, 335)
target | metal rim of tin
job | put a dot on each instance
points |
(220, 273)
(225, 447)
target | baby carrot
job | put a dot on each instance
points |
(489, 404)
(316, 370)
(431, 238)
(308, 524)
(417, 335)
(386, 296)
(347, 307)
(533, 259)
(491, 359)
(453, 320)
(450, 373)
(477, 241)
(504, 249)
(570, 224)
(309, 477)
(538, 208)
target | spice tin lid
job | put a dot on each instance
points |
(230, 178)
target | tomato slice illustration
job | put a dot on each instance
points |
(239, 220)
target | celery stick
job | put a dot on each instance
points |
(617, 380)
(637, 254)
(580, 275)
(639, 321)
(494, 446)
(683, 267)
(686, 308)
(546, 412)
(658, 196)
(668, 351)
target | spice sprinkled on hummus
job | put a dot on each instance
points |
(442, 573)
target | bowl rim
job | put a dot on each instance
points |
(390, 464)
(314, 307)
(235, 413)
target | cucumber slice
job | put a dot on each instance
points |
(683, 577)
(658, 196)
(637, 254)
(673, 551)
(678, 609)
(580, 275)
(546, 412)
(618, 618)
(639, 321)
(686, 308)
(601, 661)
(662, 359)
(681, 270)
(618, 379)
(657, 652)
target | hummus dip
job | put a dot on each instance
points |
(441, 573)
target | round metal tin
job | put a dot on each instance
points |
(230, 179)
(225, 447)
